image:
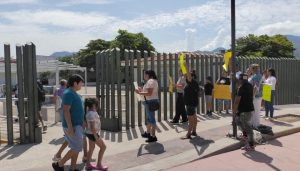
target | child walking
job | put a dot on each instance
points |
(92, 133)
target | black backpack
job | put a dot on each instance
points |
(41, 93)
(264, 129)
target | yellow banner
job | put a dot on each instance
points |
(267, 90)
(170, 85)
(222, 92)
(182, 66)
(227, 57)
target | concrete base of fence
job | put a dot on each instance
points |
(110, 124)
(38, 135)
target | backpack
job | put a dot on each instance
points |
(264, 129)
(41, 93)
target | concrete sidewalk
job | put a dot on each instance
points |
(126, 150)
(279, 154)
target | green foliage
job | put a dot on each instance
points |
(124, 40)
(277, 46)
(44, 75)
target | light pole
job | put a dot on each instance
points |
(233, 61)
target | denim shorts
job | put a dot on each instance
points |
(150, 114)
(76, 142)
(190, 110)
(220, 102)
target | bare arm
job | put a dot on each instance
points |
(67, 115)
(148, 92)
(236, 104)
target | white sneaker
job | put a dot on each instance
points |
(56, 159)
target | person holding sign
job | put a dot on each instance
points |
(256, 81)
(223, 80)
(191, 101)
(150, 93)
(269, 104)
(180, 108)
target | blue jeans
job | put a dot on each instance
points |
(269, 105)
(150, 118)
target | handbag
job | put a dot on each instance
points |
(153, 105)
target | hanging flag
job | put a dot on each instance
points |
(182, 66)
(170, 84)
(227, 57)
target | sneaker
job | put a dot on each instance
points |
(102, 167)
(194, 134)
(186, 137)
(56, 167)
(84, 159)
(248, 148)
(184, 121)
(174, 122)
(145, 135)
(56, 159)
(151, 139)
(90, 167)
(44, 128)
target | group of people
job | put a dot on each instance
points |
(80, 121)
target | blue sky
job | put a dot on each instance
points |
(172, 25)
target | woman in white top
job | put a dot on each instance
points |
(271, 80)
(92, 133)
(150, 93)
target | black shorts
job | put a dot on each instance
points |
(91, 137)
(191, 110)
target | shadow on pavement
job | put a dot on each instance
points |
(261, 157)
(275, 142)
(57, 141)
(152, 148)
(14, 151)
(200, 144)
(278, 123)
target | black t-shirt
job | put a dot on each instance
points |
(224, 81)
(191, 92)
(246, 94)
(208, 88)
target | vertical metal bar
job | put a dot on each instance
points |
(165, 85)
(197, 57)
(145, 55)
(98, 78)
(176, 70)
(20, 94)
(159, 76)
(8, 90)
(126, 53)
(108, 81)
(193, 62)
(132, 103)
(112, 83)
(103, 81)
(139, 73)
(211, 66)
(202, 78)
(233, 60)
(171, 75)
(119, 92)
(152, 54)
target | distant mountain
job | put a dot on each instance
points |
(62, 54)
(219, 49)
(296, 42)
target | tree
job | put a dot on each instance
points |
(277, 46)
(133, 41)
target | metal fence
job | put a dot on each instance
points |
(115, 77)
(29, 129)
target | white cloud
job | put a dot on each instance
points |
(18, 1)
(221, 40)
(81, 2)
(286, 27)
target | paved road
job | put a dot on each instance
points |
(279, 154)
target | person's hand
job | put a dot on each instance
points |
(70, 132)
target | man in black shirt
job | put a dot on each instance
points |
(243, 109)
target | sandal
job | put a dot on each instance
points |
(90, 167)
(102, 167)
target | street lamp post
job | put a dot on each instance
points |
(233, 61)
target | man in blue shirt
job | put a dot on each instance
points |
(73, 118)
